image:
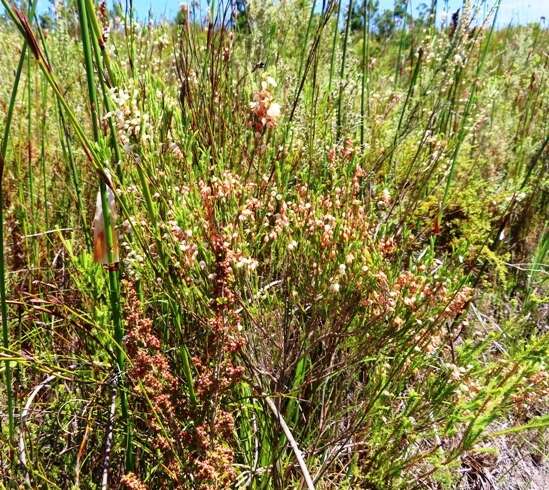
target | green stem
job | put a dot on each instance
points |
(44, 108)
(88, 62)
(342, 70)
(106, 101)
(334, 46)
(365, 68)
(114, 283)
(30, 176)
(3, 289)
(66, 148)
(400, 44)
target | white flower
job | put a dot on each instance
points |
(274, 110)
(271, 81)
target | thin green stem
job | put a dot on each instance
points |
(342, 70)
(88, 62)
(3, 287)
(365, 67)
(114, 283)
(334, 47)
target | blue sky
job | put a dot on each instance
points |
(511, 11)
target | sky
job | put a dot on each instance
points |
(511, 11)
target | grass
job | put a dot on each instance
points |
(333, 250)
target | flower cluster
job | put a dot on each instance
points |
(132, 482)
(153, 382)
(133, 125)
(188, 250)
(265, 112)
(343, 151)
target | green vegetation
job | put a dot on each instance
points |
(291, 245)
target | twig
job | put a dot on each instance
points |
(291, 440)
(108, 442)
(48, 232)
(24, 415)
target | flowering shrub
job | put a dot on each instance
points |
(337, 277)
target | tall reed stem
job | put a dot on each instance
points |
(114, 286)
(342, 69)
(365, 67)
(334, 46)
(3, 288)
